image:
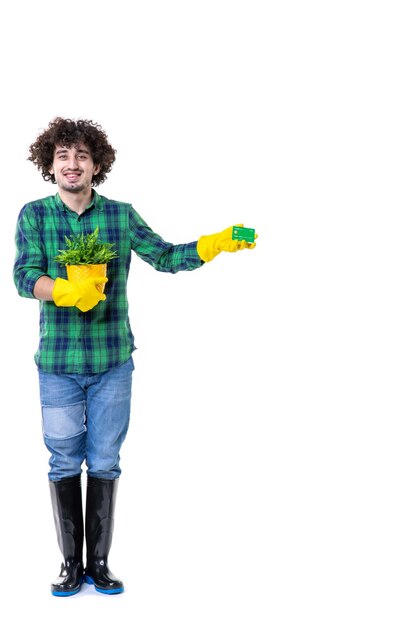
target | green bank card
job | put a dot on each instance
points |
(247, 234)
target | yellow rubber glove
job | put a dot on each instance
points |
(84, 295)
(209, 246)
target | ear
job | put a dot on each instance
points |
(97, 168)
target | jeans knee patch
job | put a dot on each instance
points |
(63, 422)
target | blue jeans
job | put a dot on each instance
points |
(85, 418)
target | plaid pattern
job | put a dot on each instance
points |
(91, 342)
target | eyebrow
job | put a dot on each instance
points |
(64, 150)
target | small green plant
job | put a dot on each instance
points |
(86, 250)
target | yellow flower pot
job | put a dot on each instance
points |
(77, 273)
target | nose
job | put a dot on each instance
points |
(72, 163)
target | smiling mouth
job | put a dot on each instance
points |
(73, 176)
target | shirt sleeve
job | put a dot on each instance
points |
(30, 262)
(162, 255)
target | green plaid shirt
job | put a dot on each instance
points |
(91, 342)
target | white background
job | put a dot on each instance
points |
(269, 475)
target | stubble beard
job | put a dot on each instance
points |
(75, 187)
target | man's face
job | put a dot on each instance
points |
(73, 167)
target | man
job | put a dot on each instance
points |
(84, 355)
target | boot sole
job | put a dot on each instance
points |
(110, 592)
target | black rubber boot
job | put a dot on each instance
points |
(101, 499)
(68, 517)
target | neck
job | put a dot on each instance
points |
(77, 202)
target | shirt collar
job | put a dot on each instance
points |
(96, 201)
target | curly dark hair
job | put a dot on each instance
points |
(65, 132)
